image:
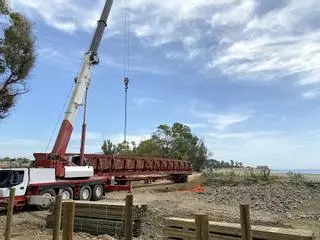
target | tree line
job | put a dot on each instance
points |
(20, 159)
(176, 141)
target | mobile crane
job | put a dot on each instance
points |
(81, 176)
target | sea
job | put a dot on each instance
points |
(302, 171)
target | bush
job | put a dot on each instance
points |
(220, 176)
(295, 176)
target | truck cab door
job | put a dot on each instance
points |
(19, 181)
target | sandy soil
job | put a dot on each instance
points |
(277, 204)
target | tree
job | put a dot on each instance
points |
(176, 141)
(123, 149)
(201, 156)
(149, 148)
(232, 163)
(163, 139)
(17, 57)
(108, 147)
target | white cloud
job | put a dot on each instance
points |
(311, 93)
(134, 68)
(241, 135)
(270, 47)
(147, 100)
(240, 13)
(222, 121)
(50, 52)
(311, 78)
(230, 35)
(196, 125)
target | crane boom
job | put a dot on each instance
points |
(82, 82)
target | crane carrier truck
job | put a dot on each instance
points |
(81, 176)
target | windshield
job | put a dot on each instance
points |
(4, 178)
(10, 178)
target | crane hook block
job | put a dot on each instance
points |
(126, 82)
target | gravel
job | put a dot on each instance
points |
(278, 198)
(270, 205)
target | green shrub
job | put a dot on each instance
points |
(264, 175)
(295, 176)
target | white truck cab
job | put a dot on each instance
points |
(21, 178)
(16, 178)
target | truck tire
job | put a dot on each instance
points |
(66, 193)
(97, 192)
(85, 193)
(48, 193)
(185, 178)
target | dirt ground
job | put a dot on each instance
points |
(280, 203)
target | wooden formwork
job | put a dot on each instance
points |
(185, 229)
(100, 218)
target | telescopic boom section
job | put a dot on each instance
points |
(82, 84)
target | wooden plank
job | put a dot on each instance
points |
(68, 220)
(105, 210)
(7, 233)
(128, 224)
(202, 227)
(180, 233)
(245, 222)
(57, 218)
(198, 226)
(234, 229)
(99, 226)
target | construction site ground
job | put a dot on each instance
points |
(277, 203)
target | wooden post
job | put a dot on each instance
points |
(202, 227)
(57, 218)
(7, 233)
(68, 220)
(128, 224)
(245, 222)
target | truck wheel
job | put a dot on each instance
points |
(85, 193)
(66, 193)
(46, 193)
(185, 178)
(97, 192)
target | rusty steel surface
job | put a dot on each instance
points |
(135, 165)
(119, 166)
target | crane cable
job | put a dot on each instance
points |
(126, 61)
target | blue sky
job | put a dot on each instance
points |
(243, 74)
